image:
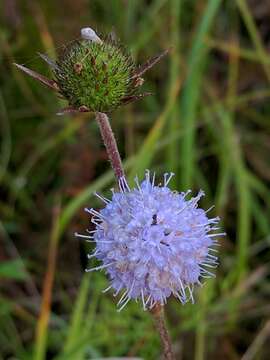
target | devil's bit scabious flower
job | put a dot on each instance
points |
(153, 242)
(94, 75)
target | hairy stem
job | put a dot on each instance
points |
(158, 315)
(110, 144)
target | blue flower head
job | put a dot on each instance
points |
(153, 242)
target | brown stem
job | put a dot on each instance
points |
(158, 315)
(110, 144)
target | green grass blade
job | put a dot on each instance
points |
(148, 148)
(77, 321)
(13, 269)
(243, 194)
(191, 93)
(254, 34)
(175, 71)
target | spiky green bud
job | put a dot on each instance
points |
(95, 75)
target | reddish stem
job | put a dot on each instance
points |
(158, 315)
(110, 144)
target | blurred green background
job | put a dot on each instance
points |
(208, 121)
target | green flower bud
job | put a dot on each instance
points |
(96, 75)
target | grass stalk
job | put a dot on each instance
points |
(43, 321)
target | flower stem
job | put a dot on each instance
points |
(110, 144)
(158, 315)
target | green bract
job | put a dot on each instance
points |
(95, 75)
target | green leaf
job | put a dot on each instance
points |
(13, 269)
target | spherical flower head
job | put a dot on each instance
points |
(154, 242)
